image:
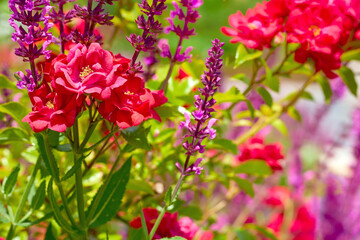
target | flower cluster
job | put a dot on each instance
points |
(150, 27)
(170, 225)
(198, 132)
(322, 38)
(255, 148)
(30, 14)
(100, 77)
(184, 32)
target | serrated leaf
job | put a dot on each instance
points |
(254, 167)
(53, 138)
(232, 95)
(6, 83)
(242, 55)
(280, 126)
(140, 186)
(143, 226)
(348, 78)
(223, 144)
(112, 196)
(9, 135)
(137, 137)
(17, 111)
(10, 182)
(4, 216)
(350, 55)
(265, 95)
(39, 197)
(168, 197)
(245, 185)
(325, 87)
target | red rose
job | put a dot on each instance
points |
(131, 103)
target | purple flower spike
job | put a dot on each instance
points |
(150, 27)
(29, 14)
(202, 115)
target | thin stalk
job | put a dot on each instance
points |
(163, 210)
(78, 180)
(23, 200)
(57, 181)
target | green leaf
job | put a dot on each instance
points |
(39, 197)
(271, 81)
(168, 196)
(266, 232)
(143, 225)
(167, 111)
(56, 210)
(64, 148)
(135, 234)
(9, 135)
(4, 216)
(223, 144)
(191, 211)
(44, 156)
(351, 55)
(242, 77)
(325, 86)
(6, 83)
(254, 167)
(294, 113)
(73, 169)
(242, 55)
(140, 186)
(280, 126)
(51, 233)
(245, 185)
(53, 138)
(232, 95)
(307, 96)
(112, 196)
(9, 182)
(16, 111)
(137, 137)
(348, 78)
(265, 95)
(243, 234)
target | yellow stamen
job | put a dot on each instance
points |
(315, 29)
(128, 93)
(85, 72)
(50, 105)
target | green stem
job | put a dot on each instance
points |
(57, 180)
(23, 200)
(163, 210)
(78, 180)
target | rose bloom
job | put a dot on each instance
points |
(169, 226)
(131, 103)
(255, 30)
(255, 148)
(51, 110)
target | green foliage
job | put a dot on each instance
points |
(265, 95)
(10, 181)
(39, 198)
(280, 126)
(351, 55)
(173, 238)
(137, 137)
(348, 78)
(266, 232)
(325, 87)
(17, 111)
(9, 135)
(223, 144)
(254, 167)
(191, 211)
(111, 198)
(140, 185)
(4, 216)
(243, 55)
(245, 185)
(6, 83)
(243, 234)
(168, 195)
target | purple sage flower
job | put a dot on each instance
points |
(203, 126)
(29, 14)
